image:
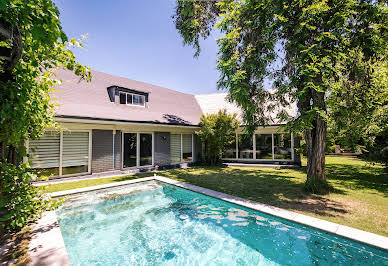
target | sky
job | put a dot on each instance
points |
(137, 39)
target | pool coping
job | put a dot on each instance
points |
(47, 239)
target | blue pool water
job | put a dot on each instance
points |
(153, 223)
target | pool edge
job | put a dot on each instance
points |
(370, 239)
(357, 235)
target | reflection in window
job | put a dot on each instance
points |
(123, 99)
(129, 150)
(282, 146)
(245, 146)
(230, 152)
(145, 149)
(263, 146)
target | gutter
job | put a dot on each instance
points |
(89, 120)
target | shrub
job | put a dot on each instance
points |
(218, 131)
(20, 201)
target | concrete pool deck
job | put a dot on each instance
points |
(47, 246)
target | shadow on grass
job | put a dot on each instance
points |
(270, 187)
(359, 177)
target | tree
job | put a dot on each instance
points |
(32, 47)
(218, 131)
(358, 113)
(300, 48)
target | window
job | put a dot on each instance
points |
(245, 147)
(45, 153)
(274, 146)
(145, 149)
(175, 148)
(187, 149)
(263, 146)
(282, 146)
(132, 99)
(60, 153)
(181, 148)
(230, 152)
(129, 150)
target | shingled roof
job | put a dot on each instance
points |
(91, 100)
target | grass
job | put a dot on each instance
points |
(359, 199)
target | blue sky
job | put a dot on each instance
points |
(137, 39)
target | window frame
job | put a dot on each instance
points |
(132, 97)
(181, 151)
(137, 150)
(254, 148)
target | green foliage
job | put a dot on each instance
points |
(20, 202)
(25, 98)
(358, 109)
(25, 105)
(305, 51)
(218, 131)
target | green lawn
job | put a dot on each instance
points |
(360, 197)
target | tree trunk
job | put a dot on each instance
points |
(315, 145)
(316, 142)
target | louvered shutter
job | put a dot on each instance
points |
(44, 152)
(175, 148)
(187, 147)
(75, 151)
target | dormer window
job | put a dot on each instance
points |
(132, 99)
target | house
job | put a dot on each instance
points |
(115, 124)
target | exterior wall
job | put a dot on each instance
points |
(162, 148)
(102, 150)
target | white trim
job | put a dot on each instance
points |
(181, 148)
(138, 150)
(273, 147)
(132, 94)
(91, 121)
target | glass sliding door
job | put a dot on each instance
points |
(129, 150)
(263, 146)
(75, 152)
(145, 149)
(245, 146)
(282, 146)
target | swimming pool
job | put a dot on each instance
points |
(153, 223)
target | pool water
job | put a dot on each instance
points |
(153, 223)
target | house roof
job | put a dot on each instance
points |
(81, 99)
(91, 100)
(212, 103)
